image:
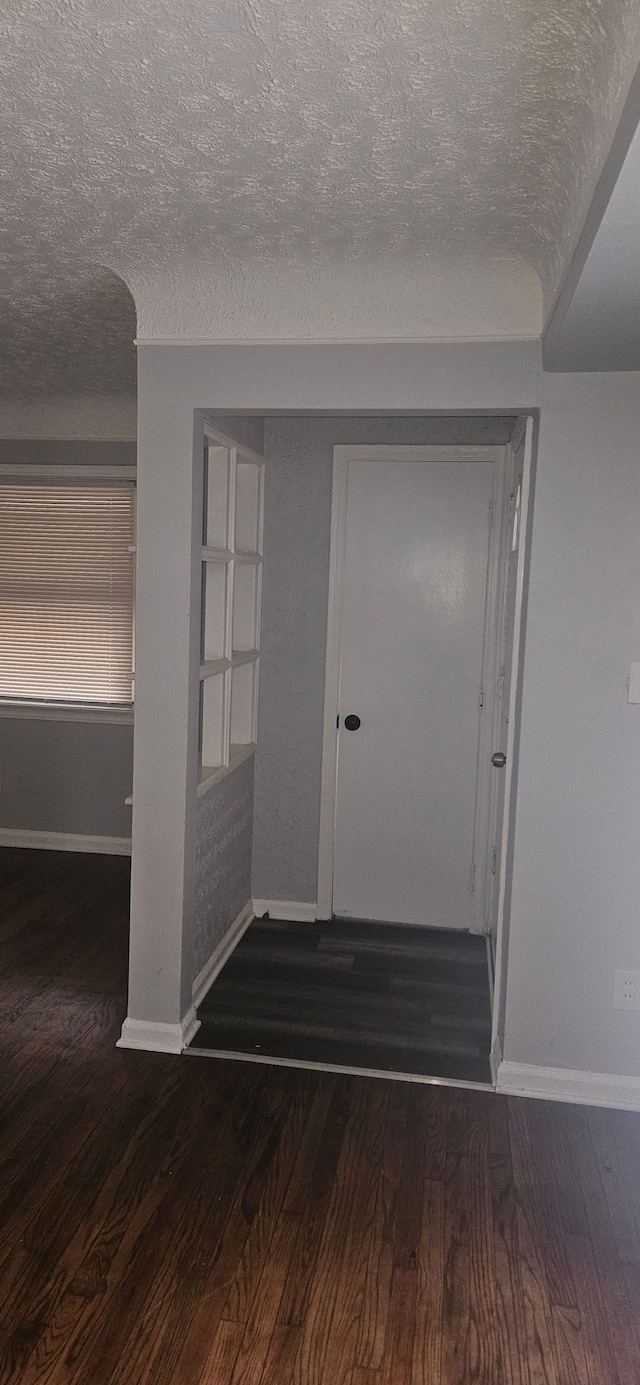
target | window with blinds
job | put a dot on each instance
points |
(66, 592)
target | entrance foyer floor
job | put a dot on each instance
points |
(356, 995)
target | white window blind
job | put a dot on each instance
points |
(66, 592)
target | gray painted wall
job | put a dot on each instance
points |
(241, 427)
(299, 456)
(61, 776)
(54, 452)
(223, 860)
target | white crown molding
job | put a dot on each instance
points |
(154, 1037)
(286, 910)
(221, 954)
(566, 1084)
(65, 841)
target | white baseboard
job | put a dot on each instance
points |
(159, 1038)
(286, 910)
(65, 841)
(565, 1084)
(221, 954)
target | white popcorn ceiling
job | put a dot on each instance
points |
(140, 138)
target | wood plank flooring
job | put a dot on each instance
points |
(356, 995)
(165, 1221)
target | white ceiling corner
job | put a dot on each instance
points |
(286, 169)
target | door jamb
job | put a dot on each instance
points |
(513, 730)
(341, 457)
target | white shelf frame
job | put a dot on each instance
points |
(229, 556)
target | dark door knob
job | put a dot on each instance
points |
(498, 759)
(352, 722)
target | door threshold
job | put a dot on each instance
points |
(269, 1061)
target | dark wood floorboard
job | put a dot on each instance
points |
(357, 995)
(165, 1221)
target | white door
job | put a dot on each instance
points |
(415, 577)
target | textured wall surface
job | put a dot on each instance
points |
(66, 776)
(106, 417)
(223, 860)
(288, 146)
(299, 456)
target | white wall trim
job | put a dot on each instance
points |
(65, 841)
(517, 650)
(26, 471)
(286, 910)
(213, 776)
(69, 711)
(224, 440)
(154, 1037)
(221, 954)
(462, 339)
(566, 1084)
(495, 1059)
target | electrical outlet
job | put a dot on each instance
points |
(626, 991)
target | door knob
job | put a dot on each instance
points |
(498, 759)
(352, 722)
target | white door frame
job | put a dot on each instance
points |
(517, 657)
(497, 537)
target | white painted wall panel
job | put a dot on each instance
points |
(575, 913)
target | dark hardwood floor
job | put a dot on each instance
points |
(355, 995)
(168, 1221)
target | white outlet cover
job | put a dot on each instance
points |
(626, 993)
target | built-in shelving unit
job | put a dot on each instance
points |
(231, 596)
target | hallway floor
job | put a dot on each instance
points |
(376, 996)
(171, 1222)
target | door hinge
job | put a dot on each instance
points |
(481, 700)
(490, 513)
(501, 687)
(472, 877)
(493, 860)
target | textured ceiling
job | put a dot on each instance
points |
(264, 133)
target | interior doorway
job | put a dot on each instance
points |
(429, 529)
(423, 607)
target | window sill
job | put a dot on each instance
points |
(67, 711)
(208, 776)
